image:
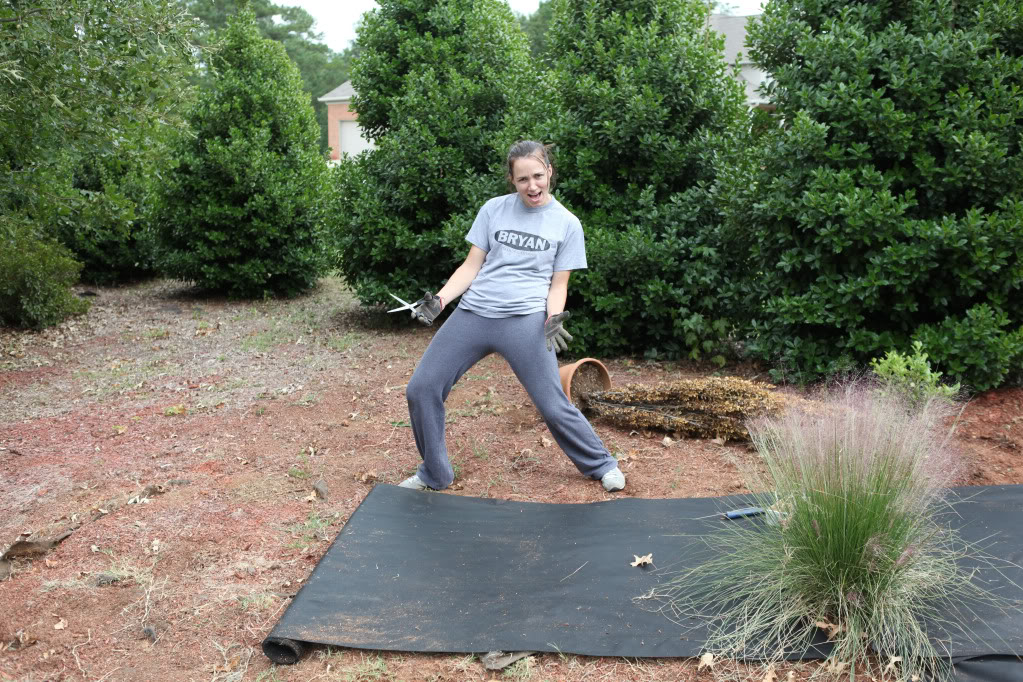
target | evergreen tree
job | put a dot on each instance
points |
(245, 206)
(889, 207)
(322, 69)
(644, 115)
(433, 81)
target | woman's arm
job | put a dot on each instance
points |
(463, 276)
(558, 292)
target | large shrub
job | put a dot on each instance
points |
(109, 227)
(36, 275)
(245, 206)
(889, 206)
(79, 82)
(645, 115)
(433, 81)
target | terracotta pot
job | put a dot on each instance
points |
(589, 366)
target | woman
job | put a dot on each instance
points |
(513, 284)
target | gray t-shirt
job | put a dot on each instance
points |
(524, 246)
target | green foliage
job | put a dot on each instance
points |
(322, 69)
(889, 206)
(36, 274)
(853, 488)
(535, 26)
(244, 208)
(84, 86)
(979, 348)
(911, 375)
(646, 121)
(110, 229)
(434, 79)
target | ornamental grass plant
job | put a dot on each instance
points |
(852, 546)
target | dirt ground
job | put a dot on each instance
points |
(158, 458)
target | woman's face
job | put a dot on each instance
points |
(531, 178)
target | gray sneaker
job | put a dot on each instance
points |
(613, 480)
(416, 483)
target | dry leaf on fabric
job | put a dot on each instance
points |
(832, 628)
(643, 560)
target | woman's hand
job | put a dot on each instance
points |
(428, 308)
(554, 331)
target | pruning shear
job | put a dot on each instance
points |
(405, 305)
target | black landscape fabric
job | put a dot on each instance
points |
(431, 572)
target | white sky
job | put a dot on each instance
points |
(336, 19)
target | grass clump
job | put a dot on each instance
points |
(852, 544)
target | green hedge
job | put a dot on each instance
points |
(889, 207)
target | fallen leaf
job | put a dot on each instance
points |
(310, 498)
(61, 624)
(368, 477)
(892, 663)
(643, 560)
(718, 441)
(837, 667)
(545, 442)
(830, 627)
(50, 563)
(667, 441)
(770, 675)
(156, 545)
(791, 677)
(706, 661)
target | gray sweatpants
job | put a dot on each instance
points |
(462, 341)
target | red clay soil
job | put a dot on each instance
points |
(180, 439)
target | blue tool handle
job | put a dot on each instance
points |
(741, 513)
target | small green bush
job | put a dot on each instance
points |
(36, 275)
(244, 212)
(102, 228)
(981, 349)
(852, 541)
(911, 375)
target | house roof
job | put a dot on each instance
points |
(734, 30)
(341, 93)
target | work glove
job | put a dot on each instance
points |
(428, 308)
(557, 337)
